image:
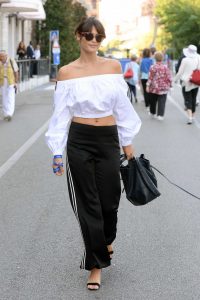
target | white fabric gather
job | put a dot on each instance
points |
(94, 96)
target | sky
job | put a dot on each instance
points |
(115, 9)
(123, 21)
(118, 12)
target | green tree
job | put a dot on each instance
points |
(181, 21)
(62, 15)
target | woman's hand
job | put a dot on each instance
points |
(128, 151)
(58, 165)
(147, 89)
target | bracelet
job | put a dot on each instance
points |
(58, 164)
(55, 170)
(57, 156)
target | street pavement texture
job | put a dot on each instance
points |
(156, 253)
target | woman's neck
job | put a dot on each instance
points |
(90, 58)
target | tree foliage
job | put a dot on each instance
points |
(62, 15)
(181, 21)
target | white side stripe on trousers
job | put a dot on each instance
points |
(74, 207)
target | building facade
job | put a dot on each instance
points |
(16, 20)
(92, 7)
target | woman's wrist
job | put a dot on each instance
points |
(128, 151)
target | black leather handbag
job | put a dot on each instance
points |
(139, 180)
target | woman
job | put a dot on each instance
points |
(157, 86)
(145, 65)
(91, 109)
(189, 63)
(37, 52)
(21, 50)
(133, 80)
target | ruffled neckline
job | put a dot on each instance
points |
(90, 77)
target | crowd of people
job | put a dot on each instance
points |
(152, 72)
(29, 52)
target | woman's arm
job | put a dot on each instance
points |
(127, 120)
(180, 71)
(56, 136)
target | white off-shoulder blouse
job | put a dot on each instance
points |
(91, 97)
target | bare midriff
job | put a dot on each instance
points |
(104, 121)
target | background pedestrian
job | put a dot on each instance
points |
(189, 63)
(21, 50)
(8, 84)
(30, 55)
(132, 82)
(37, 55)
(157, 86)
(153, 51)
(37, 52)
(145, 65)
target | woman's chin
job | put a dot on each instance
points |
(92, 49)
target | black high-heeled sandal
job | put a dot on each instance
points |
(93, 283)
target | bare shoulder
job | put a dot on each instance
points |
(114, 65)
(63, 73)
(66, 72)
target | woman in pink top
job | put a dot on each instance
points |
(158, 84)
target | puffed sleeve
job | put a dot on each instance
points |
(127, 120)
(56, 136)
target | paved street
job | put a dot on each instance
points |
(156, 254)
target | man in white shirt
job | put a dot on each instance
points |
(8, 84)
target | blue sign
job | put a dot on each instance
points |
(54, 35)
(56, 58)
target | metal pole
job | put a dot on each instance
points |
(49, 55)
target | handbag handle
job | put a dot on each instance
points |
(123, 158)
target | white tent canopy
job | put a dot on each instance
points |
(38, 15)
(15, 6)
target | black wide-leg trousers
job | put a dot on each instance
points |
(93, 162)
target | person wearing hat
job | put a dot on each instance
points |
(8, 84)
(189, 63)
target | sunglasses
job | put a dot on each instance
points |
(89, 36)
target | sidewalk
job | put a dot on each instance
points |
(33, 108)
